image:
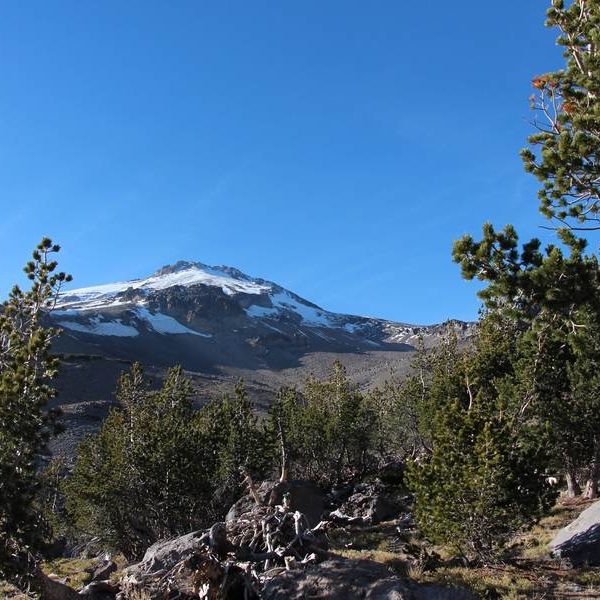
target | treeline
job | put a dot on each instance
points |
(158, 467)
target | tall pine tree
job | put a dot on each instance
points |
(26, 372)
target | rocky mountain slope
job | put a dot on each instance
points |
(220, 325)
(218, 316)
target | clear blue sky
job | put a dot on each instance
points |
(335, 147)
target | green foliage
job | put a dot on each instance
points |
(559, 368)
(26, 373)
(327, 431)
(239, 445)
(553, 293)
(484, 477)
(563, 154)
(158, 467)
(523, 283)
(142, 476)
(400, 430)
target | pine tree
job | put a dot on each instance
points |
(26, 372)
(483, 479)
(158, 467)
(329, 429)
(240, 445)
(554, 296)
(144, 476)
(563, 154)
(554, 293)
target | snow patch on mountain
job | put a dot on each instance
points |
(309, 314)
(96, 326)
(260, 312)
(284, 301)
(158, 322)
(165, 324)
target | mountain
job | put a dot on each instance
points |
(220, 325)
(218, 305)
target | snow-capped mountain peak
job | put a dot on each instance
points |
(182, 273)
(220, 306)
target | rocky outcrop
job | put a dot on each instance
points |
(579, 542)
(342, 579)
(231, 560)
(100, 590)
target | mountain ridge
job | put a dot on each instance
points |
(260, 299)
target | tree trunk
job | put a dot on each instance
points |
(591, 487)
(573, 488)
(284, 454)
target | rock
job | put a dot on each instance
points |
(100, 590)
(202, 574)
(51, 589)
(371, 503)
(341, 579)
(392, 473)
(579, 542)
(164, 554)
(226, 560)
(104, 571)
(217, 540)
(304, 496)
(339, 494)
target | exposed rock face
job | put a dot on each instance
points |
(342, 579)
(158, 560)
(228, 562)
(579, 542)
(100, 590)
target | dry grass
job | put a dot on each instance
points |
(11, 593)
(139, 595)
(389, 559)
(70, 570)
(73, 570)
(503, 583)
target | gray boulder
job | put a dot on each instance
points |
(579, 542)
(341, 579)
(143, 579)
(165, 554)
